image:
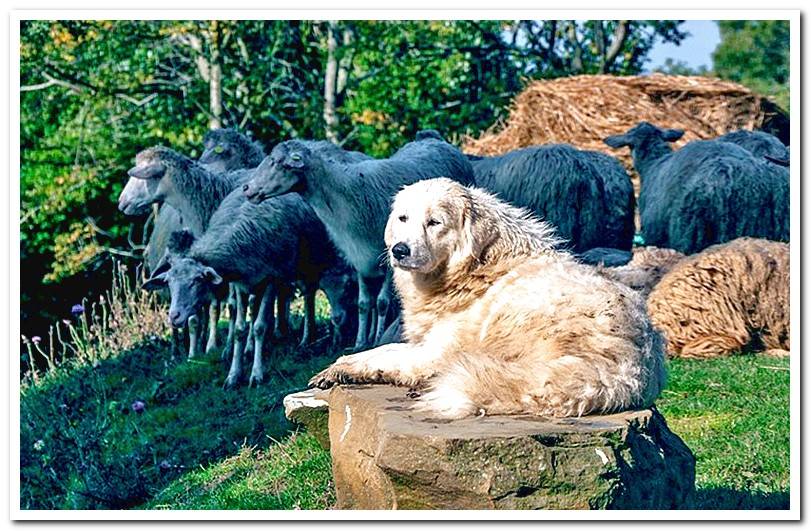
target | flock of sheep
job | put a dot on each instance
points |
(240, 228)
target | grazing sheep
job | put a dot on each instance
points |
(351, 196)
(729, 298)
(758, 143)
(645, 269)
(228, 150)
(258, 248)
(225, 150)
(704, 193)
(587, 196)
(498, 321)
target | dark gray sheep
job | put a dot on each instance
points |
(162, 175)
(705, 193)
(258, 248)
(228, 150)
(605, 256)
(758, 143)
(587, 196)
(352, 196)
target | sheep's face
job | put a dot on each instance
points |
(281, 172)
(426, 226)
(342, 291)
(220, 155)
(642, 133)
(191, 285)
(147, 184)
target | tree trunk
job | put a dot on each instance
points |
(620, 35)
(215, 76)
(331, 83)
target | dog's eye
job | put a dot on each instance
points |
(403, 218)
(433, 222)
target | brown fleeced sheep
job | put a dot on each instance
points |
(730, 297)
(646, 268)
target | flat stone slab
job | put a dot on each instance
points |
(309, 409)
(385, 456)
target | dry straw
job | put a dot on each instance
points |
(582, 110)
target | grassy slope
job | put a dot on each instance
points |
(732, 412)
(197, 446)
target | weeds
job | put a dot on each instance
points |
(123, 317)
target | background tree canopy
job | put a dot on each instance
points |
(96, 92)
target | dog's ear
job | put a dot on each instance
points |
(477, 234)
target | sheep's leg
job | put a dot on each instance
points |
(232, 318)
(213, 320)
(177, 341)
(240, 333)
(262, 321)
(364, 312)
(193, 325)
(282, 325)
(309, 315)
(384, 299)
(250, 315)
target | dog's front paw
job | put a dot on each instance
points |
(337, 373)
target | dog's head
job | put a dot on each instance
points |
(435, 223)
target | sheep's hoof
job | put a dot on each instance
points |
(255, 380)
(230, 383)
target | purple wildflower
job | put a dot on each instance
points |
(138, 406)
(77, 309)
(165, 465)
(36, 340)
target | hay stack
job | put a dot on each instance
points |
(582, 110)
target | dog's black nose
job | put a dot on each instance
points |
(400, 251)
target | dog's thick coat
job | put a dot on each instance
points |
(499, 322)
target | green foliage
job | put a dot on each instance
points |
(756, 53)
(681, 68)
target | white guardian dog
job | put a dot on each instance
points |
(499, 322)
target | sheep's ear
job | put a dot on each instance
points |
(671, 135)
(156, 282)
(147, 171)
(294, 160)
(212, 276)
(617, 141)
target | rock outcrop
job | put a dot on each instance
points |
(384, 456)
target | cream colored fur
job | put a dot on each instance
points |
(498, 322)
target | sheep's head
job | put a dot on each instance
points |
(191, 284)
(281, 172)
(225, 150)
(147, 183)
(641, 134)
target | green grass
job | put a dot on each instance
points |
(733, 413)
(83, 447)
(293, 474)
(197, 446)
